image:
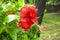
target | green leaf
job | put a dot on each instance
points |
(20, 4)
(1, 2)
(2, 16)
(34, 29)
(25, 37)
(10, 18)
(12, 29)
(1, 8)
(35, 38)
(17, 17)
(12, 33)
(2, 27)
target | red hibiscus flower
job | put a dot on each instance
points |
(27, 15)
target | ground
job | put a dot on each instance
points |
(52, 23)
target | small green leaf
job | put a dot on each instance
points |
(20, 4)
(35, 38)
(25, 37)
(1, 8)
(2, 27)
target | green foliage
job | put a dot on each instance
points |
(9, 16)
(32, 2)
(2, 27)
(11, 29)
(53, 1)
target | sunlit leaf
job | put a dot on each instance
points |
(25, 37)
(10, 18)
